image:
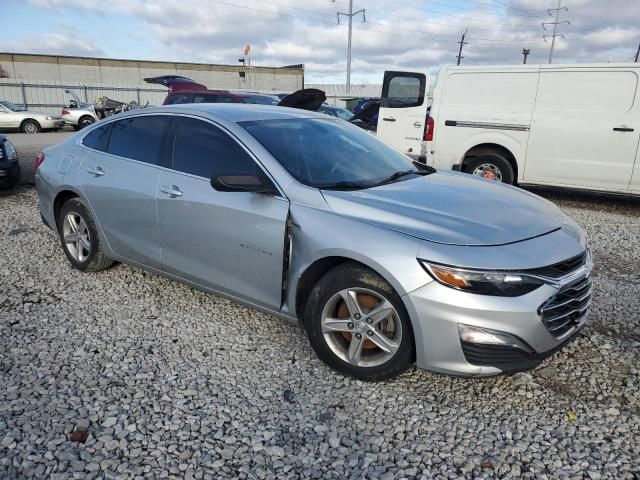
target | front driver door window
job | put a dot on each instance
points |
(228, 241)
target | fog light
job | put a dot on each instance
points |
(486, 336)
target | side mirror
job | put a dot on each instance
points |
(243, 183)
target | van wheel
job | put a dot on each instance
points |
(357, 324)
(492, 167)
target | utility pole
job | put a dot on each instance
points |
(351, 14)
(525, 52)
(462, 43)
(637, 53)
(555, 27)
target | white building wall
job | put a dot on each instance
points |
(89, 71)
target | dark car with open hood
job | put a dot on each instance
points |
(185, 90)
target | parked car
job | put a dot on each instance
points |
(525, 124)
(301, 215)
(365, 103)
(334, 111)
(9, 164)
(14, 117)
(184, 90)
(78, 114)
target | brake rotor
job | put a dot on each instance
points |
(367, 303)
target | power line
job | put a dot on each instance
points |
(462, 44)
(351, 14)
(431, 22)
(395, 30)
(461, 17)
(555, 27)
(458, 7)
(637, 54)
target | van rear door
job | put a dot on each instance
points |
(403, 110)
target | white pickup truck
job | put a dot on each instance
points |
(575, 126)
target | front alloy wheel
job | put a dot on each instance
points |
(358, 325)
(361, 327)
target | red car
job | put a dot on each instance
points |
(185, 90)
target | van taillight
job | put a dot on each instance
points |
(39, 160)
(428, 133)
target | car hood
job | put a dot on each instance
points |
(452, 208)
(305, 99)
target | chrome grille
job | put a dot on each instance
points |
(560, 269)
(567, 309)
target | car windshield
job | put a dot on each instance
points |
(260, 99)
(329, 153)
(12, 106)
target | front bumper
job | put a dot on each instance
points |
(437, 312)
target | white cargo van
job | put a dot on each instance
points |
(574, 126)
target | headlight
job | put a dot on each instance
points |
(483, 282)
(11, 150)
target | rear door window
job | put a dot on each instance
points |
(202, 149)
(98, 138)
(139, 138)
(403, 89)
(213, 98)
(179, 98)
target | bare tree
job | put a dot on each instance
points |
(3, 73)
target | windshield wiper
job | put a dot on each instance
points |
(397, 175)
(341, 186)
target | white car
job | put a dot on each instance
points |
(14, 117)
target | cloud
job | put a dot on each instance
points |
(54, 44)
(397, 34)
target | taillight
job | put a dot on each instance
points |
(39, 160)
(428, 133)
(64, 112)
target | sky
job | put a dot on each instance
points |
(418, 34)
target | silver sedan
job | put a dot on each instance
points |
(14, 117)
(387, 262)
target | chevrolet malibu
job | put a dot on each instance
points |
(386, 262)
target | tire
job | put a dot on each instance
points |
(85, 252)
(85, 122)
(30, 126)
(491, 166)
(332, 327)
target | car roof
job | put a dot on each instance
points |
(232, 112)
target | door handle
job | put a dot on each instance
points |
(622, 129)
(96, 172)
(389, 119)
(172, 191)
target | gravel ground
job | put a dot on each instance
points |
(123, 374)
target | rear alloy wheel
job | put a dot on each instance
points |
(30, 126)
(79, 237)
(492, 167)
(85, 122)
(357, 324)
